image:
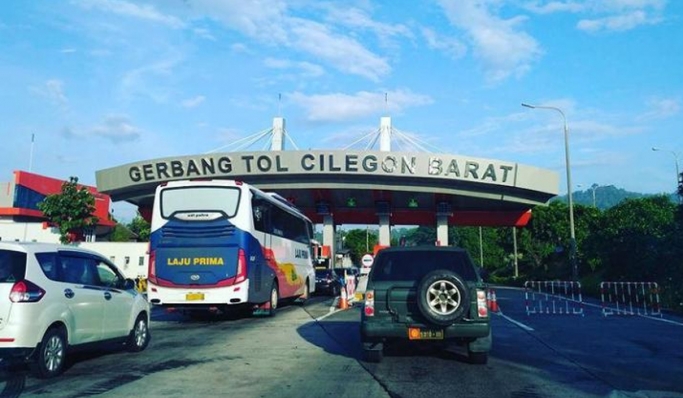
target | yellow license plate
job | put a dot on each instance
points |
(194, 296)
(425, 334)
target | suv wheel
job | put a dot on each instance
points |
(373, 352)
(52, 354)
(478, 358)
(443, 297)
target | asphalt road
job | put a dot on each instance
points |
(314, 351)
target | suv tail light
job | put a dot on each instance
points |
(26, 292)
(241, 267)
(482, 307)
(369, 307)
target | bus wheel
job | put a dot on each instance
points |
(274, 297)
(305, 296)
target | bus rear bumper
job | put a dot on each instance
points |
(198, 296)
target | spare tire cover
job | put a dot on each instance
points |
(442, 297)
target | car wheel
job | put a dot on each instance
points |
(138, 339)
(443, 297)
(51, 356)
(274, 297)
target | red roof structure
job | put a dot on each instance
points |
(21, 197)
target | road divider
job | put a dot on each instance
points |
(553, 297)
(630, 298)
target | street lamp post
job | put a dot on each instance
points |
(678, 173)
(572, 234)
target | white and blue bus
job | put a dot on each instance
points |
(222, 244)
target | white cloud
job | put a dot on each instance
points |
(128, 9)
(53, 90)
(618, 22)
(501, 46)
(550, 7)
(601, 15)
(204, 34)
(341, 52)
(345, 107)
(145, 80)
(193, 102)
(260, 19)
(270, 22)
(117, 129)
(308, 69)
(358, 19)
(454, 48)
(660, 108)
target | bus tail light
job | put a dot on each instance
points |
(482, 308)
(26, 292)
(369, 307)
(241, 267)
(152, 270)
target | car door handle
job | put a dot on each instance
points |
(107, 296)
(68, 293)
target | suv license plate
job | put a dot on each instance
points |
(194, 296)
(425, 334)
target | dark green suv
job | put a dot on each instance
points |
(425, 293)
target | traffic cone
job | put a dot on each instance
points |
(494, 303)
(343, 300)
(488, 299)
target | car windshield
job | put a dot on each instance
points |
(414, 265)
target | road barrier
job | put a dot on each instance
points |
(553, 297)
(630, 298)
(491, 300)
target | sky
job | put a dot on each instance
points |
(92, 84)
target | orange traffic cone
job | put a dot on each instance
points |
(494, 303)
(343, 300)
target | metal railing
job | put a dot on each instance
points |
(553, 297)
(630, 298)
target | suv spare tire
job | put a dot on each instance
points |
(442, 297)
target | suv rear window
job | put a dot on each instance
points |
(12, 266)
(414, 265)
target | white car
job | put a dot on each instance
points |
(56, 298)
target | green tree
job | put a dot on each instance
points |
(71, 210)
(140, 227)
(121, 233)
(360, 241)
(632, 237)
(421, 236)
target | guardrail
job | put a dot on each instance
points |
(630, 298)
(553, 297)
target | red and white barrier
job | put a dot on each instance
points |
(553, 297)
(630, 298)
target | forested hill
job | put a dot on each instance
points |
(606, 196)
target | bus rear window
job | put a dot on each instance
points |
(12, 266)
(199, 199)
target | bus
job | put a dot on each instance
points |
(224, 244)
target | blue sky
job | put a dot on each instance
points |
(102, 83)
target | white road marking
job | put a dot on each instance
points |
(640, 315)
(333, 310)
(520, 324)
